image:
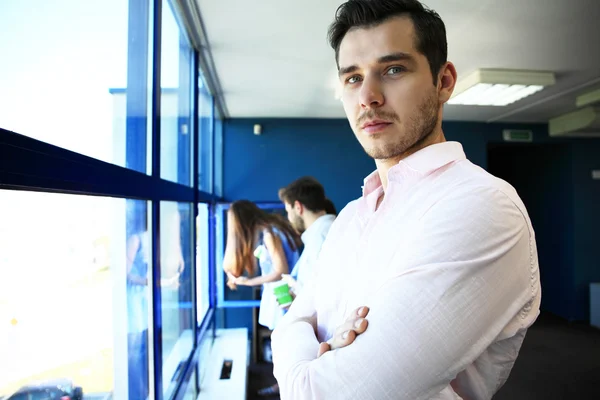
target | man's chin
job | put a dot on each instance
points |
(299, 229)
(381, 154)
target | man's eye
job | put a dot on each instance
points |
(395, 70)
(353, 79)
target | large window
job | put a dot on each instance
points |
(176, 101)
(176, 252)
(138, 268)
(100, 275)
(206, 138)
(67, 270)
(64, 73)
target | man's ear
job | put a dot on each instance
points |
(298, 207)
(446, 82)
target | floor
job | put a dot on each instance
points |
(260, 376)
(558, 360)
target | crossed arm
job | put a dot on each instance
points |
(455, 293)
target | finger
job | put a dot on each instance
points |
(362, 311)
(323, 348)
(360, 325)
(343, 340)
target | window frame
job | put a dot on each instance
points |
(27, 164)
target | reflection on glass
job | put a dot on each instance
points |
(202, 261)
(176, 289)
(176, 101)
(138, 266)
(68, 306)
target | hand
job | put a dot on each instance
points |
(289, 280)
(241, 281)
(231, 284)
(171, 283)
(231, 280)
(346, 333)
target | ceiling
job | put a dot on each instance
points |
(273, 60)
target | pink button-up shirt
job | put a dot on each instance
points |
(448, 266)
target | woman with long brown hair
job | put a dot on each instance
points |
(257, 238)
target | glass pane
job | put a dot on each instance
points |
(176, 100)
(205, 145)
(138, 258)
(202, 261)
(176, 254)
(70, 306)
(64, 76)
(218, 158)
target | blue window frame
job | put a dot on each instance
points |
(206, 111)
(218, 158)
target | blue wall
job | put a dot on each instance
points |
(255, 167)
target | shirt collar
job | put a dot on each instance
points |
(371, 183)
(424, 162)
(315, 227)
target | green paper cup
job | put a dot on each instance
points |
(282, 293)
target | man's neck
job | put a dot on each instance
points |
(310, 217)
(383, 166)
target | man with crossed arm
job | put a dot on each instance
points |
(425, 285)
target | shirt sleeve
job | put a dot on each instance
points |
(296, 342)
(468, 276)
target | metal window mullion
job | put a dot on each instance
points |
(194, 122)
(194, 168)
(156, 275)
(211, 186)
(212, 254)
(219, 251)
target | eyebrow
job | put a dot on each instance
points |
(381, 60)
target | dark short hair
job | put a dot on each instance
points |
(429, 28)
(306, 190)
(330, 207)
